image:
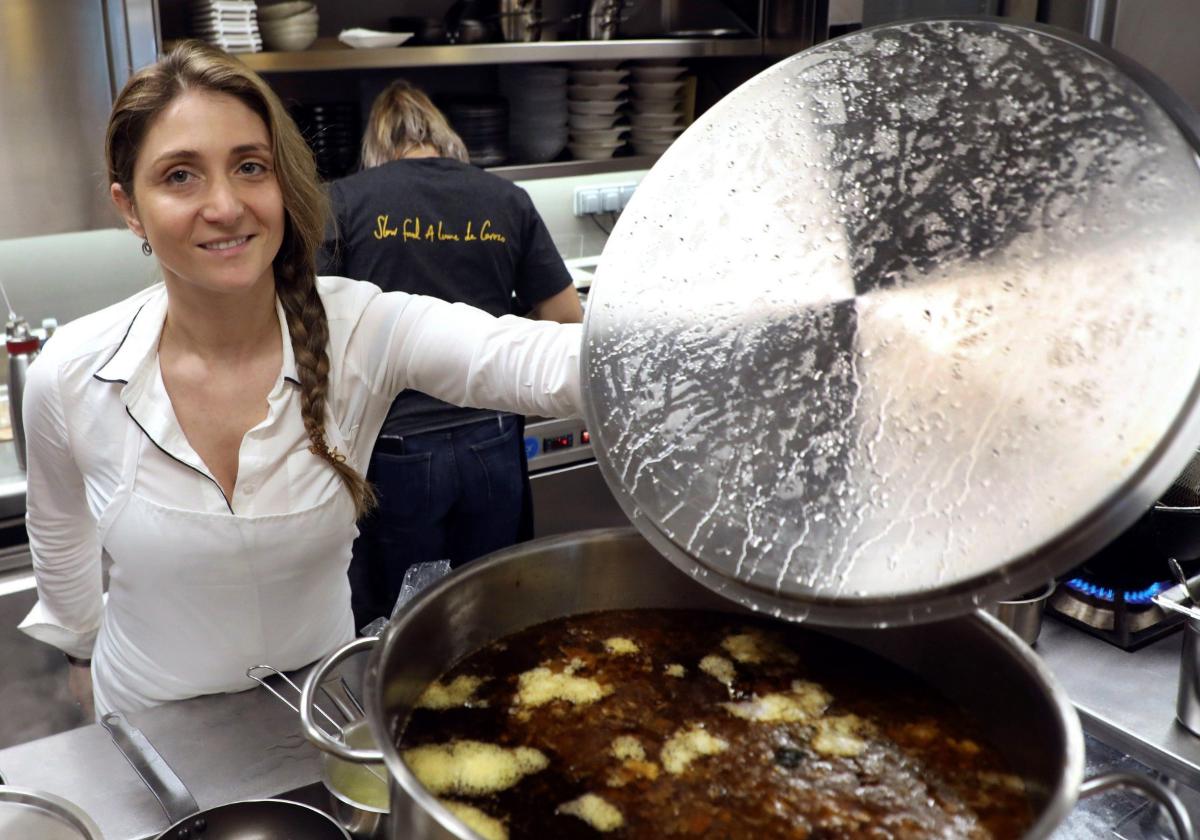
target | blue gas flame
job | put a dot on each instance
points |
(1104, 593)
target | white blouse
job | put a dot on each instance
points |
(100, 374)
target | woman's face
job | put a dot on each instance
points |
(205, 195)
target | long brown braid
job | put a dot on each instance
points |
(196, 66)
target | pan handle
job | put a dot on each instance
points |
(176, 801)
(1161, 794)
(312, 683)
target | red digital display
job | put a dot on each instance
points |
(584, 437)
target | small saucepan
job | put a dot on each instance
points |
(247, 820)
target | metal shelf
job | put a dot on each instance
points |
(328, 54)
(573, 168)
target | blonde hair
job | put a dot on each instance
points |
(196, 66)
(402, 119)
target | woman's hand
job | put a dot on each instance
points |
(79, 684)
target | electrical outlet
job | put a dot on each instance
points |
(609, 198)
(587, 201)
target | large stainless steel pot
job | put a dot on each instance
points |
(975, 661)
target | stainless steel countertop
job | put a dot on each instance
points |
(1126, 699)
(224, 747)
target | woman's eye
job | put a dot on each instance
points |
(251, 167)
(178, 176)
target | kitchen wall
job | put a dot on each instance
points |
(67, 275)
(554, 199)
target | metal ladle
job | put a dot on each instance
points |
(1177, 570)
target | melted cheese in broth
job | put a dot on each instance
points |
(651, 724)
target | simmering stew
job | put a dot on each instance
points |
(677, 723)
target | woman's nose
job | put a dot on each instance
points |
(222, 203)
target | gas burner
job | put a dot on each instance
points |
(1128, 618)
(1108, 595)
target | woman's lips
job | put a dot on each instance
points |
(227, 247)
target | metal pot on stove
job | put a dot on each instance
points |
(879, 340)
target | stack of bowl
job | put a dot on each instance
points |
(229, 25)
(288, 26)
(482, 123)
(657, 106)
(597, 92)
(537, 111)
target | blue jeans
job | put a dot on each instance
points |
(455, 494)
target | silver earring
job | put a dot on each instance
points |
(146, 249)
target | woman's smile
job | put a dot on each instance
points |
(230, 247)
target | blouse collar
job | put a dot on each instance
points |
(136, 357)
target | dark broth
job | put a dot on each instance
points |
(872, 753)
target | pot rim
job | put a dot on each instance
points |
(1060, 802)
(1070, 776)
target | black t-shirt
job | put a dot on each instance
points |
(436, 226)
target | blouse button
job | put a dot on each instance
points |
(248, 489)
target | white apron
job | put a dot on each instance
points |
(187, 612)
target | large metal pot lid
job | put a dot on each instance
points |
(908, 322)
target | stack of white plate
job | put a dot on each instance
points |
(288, 26)
(537, 111)
(229, 25)
(657, 116)
(597, 92)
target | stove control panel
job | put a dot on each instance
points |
(555, 443)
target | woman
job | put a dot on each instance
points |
(209, 434)
(451, 481)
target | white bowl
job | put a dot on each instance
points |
(288, 26)
(591, 121)
(291, 41)
(653, 120)
(598, 136)
(594, 106)
(655, 135)
(665, 73)
(583, 151)
(646, 147)
(596, 91)
(367, 39)
(597, 77)
(279, 11)
(657, 90)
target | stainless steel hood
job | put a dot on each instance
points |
(61, 63)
